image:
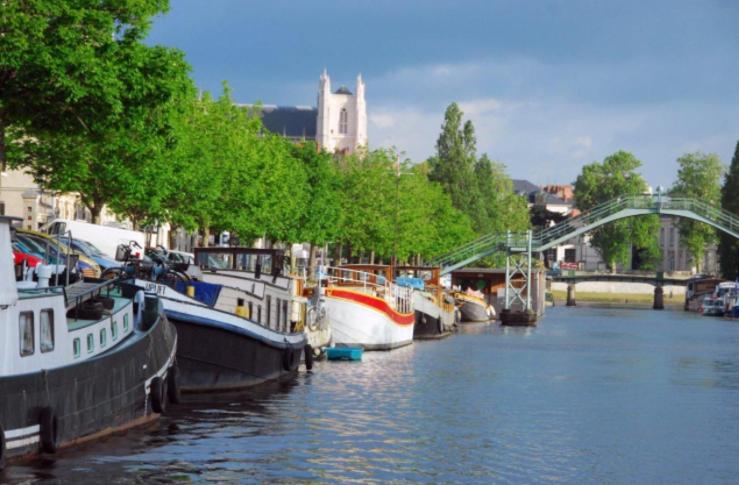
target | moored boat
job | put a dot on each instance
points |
(473, 308)
(722, 301)
(223, 351)
(366, 309)
(433, 308)
(78, 362)
(697, 288)
(253, 282)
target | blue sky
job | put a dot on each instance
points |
(550, 84)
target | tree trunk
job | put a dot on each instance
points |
(206, 237)
(172, 237)
(311, 259)
(95, 210)
(3, 159)
(372, 257)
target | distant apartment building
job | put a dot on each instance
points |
(21, 196)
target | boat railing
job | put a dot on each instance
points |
(398, 297)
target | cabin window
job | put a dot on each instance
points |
(103, 337)
(251, 313)
(114, 330)
(343, 121)
(259, 313)
(26, 333)
(125, 323)
(47, 330)
(76, 347)
(90, 343)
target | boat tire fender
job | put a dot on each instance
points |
(48, 430)
(308, 355)
(173, 387)
(2, 448)
(288, 359)
(157, 395)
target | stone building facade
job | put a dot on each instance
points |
(338, 123)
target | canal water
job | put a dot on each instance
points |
(591, 395)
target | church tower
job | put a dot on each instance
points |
(342, 117)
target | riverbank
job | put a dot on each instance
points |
(618, 299)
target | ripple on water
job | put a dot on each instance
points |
(590, 395)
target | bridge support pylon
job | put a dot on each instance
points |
(659, 298)
(517, 310)
(571, 294)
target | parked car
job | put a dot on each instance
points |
(58, 252)
(91, 251)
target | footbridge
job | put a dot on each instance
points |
(657, 280)
(519, 247)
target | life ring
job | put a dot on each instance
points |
(48, 430)
(2, 448)
(288, 359)
(173, 386)
(157, 396)
(308, 356)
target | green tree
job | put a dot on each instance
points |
(729, 246)
(699, 177)
(453, 166)
(120, 160)
(198, 160)
(235, 176)
(501, 209)
(617, 177)
(368, 200)
(323, 212)
(61, 69)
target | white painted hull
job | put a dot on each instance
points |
(354, 324)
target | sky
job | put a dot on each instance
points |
(550, 85)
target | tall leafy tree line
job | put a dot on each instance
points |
(87, 107)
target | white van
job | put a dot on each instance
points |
(105, 238)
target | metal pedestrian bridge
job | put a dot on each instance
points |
(525, 244)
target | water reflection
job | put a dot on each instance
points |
(591, 395)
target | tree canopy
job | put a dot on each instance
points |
(478, 187)
(699, 177)
(617, 177)
(729, 246)
(67, 65)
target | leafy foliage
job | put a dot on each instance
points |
(67, 65)
(480, 187)
(699, 177)
(601, 182)
(119, 160)
(729, 246)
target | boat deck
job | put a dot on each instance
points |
(80, 292)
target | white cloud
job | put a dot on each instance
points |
(479, 106)
(382, 120)
(545, 130)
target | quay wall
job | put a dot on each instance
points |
(617, 287)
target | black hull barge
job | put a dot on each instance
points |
(78, 363)
(219, 351)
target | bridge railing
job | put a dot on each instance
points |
(493, 242)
